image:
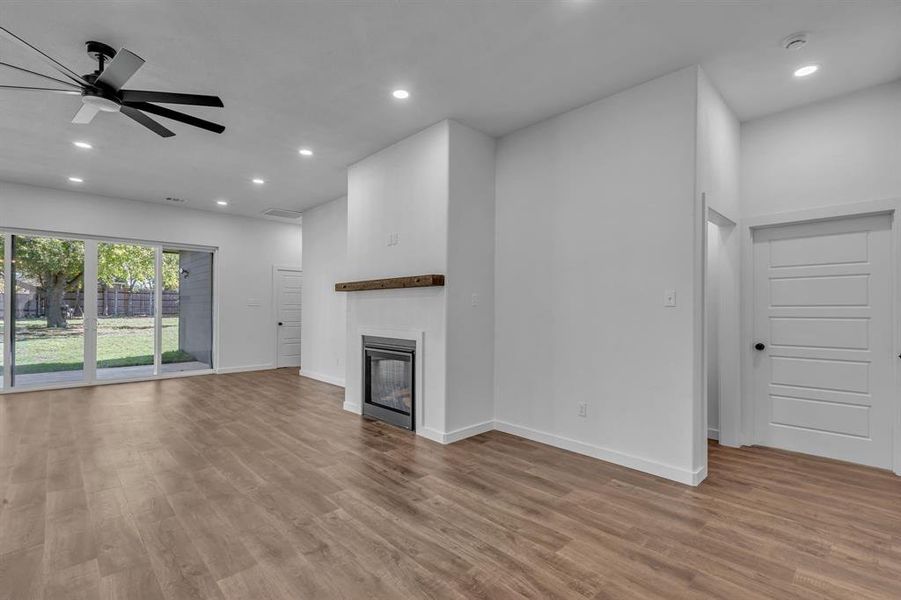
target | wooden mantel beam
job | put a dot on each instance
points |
(392, 283)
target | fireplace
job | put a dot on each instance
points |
(388, 381)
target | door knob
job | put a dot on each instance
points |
(760, 346)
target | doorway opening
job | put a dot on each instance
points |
(722, 329)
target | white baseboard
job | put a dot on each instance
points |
(464, 432)
(625, 460)
(339, 381)
(713, 433)
(244, 369)
(456, 435)
(431, 434)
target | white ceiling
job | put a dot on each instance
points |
(320, 73)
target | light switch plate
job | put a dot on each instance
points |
(669, 298)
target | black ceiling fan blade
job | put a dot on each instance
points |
(177, 116)
(146, 121)
(47, 58)
(39, 89)
(35, 73)
(170, 98)
(125, 64)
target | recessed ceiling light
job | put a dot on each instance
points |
(306, 152)
(401, 94)
(221, 202)
(258, 181)
(76, 179)
(82, 145)
(806, 70)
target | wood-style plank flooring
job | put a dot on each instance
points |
(258, 486)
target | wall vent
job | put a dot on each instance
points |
(282, 213)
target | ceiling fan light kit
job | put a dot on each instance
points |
(101, 91)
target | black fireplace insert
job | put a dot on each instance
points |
(388, 380)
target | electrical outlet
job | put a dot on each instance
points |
(475, 299)
(583, 409)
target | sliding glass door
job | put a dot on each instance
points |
(148, 310)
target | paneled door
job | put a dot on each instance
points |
(823, 359)
(288, 288)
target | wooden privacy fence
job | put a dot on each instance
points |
(110, 303)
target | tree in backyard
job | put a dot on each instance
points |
(126, 265)
(171, 270)
(133, 267)
(56, 265)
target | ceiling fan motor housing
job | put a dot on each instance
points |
(101, 99)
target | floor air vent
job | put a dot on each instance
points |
(282, 213)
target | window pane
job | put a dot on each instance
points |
(187, 310)
(126, 310)
(48, 310)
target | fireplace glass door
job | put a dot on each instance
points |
(388, 381)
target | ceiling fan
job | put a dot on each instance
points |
(101, 91)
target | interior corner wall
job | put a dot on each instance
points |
(470, 280)
(840, 151)
(247, 249)
(324, 310)
(595, 220)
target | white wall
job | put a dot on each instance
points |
(595, 220)
(718, 170)
(247, 250)
(840, 151)
(324, 309)
(470, 272)
(402, 189)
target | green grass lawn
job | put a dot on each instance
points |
(121, 342)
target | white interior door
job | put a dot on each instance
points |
(288, 286)
(824, 361)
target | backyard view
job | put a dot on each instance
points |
(49, 309)
(125, 344)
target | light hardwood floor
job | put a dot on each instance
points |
(258, 486)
